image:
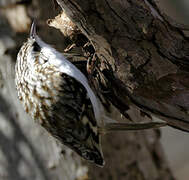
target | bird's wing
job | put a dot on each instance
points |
(73, 121)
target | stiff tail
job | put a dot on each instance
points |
(110, 127)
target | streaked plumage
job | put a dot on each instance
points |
(57, 95)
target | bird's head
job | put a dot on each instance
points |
(31, 51)
(33, 39)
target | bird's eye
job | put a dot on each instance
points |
(36, 47)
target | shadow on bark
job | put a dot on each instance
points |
(15, 156)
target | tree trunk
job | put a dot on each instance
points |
(139, 54)
(142, 66)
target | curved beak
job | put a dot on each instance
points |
(33, 30)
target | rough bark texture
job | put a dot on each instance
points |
(138, 49)
(142, 57)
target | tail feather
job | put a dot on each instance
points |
(130, 126)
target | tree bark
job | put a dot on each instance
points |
(142, 55)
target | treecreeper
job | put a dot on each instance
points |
(57, 95)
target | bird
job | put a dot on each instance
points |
(57, 95)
